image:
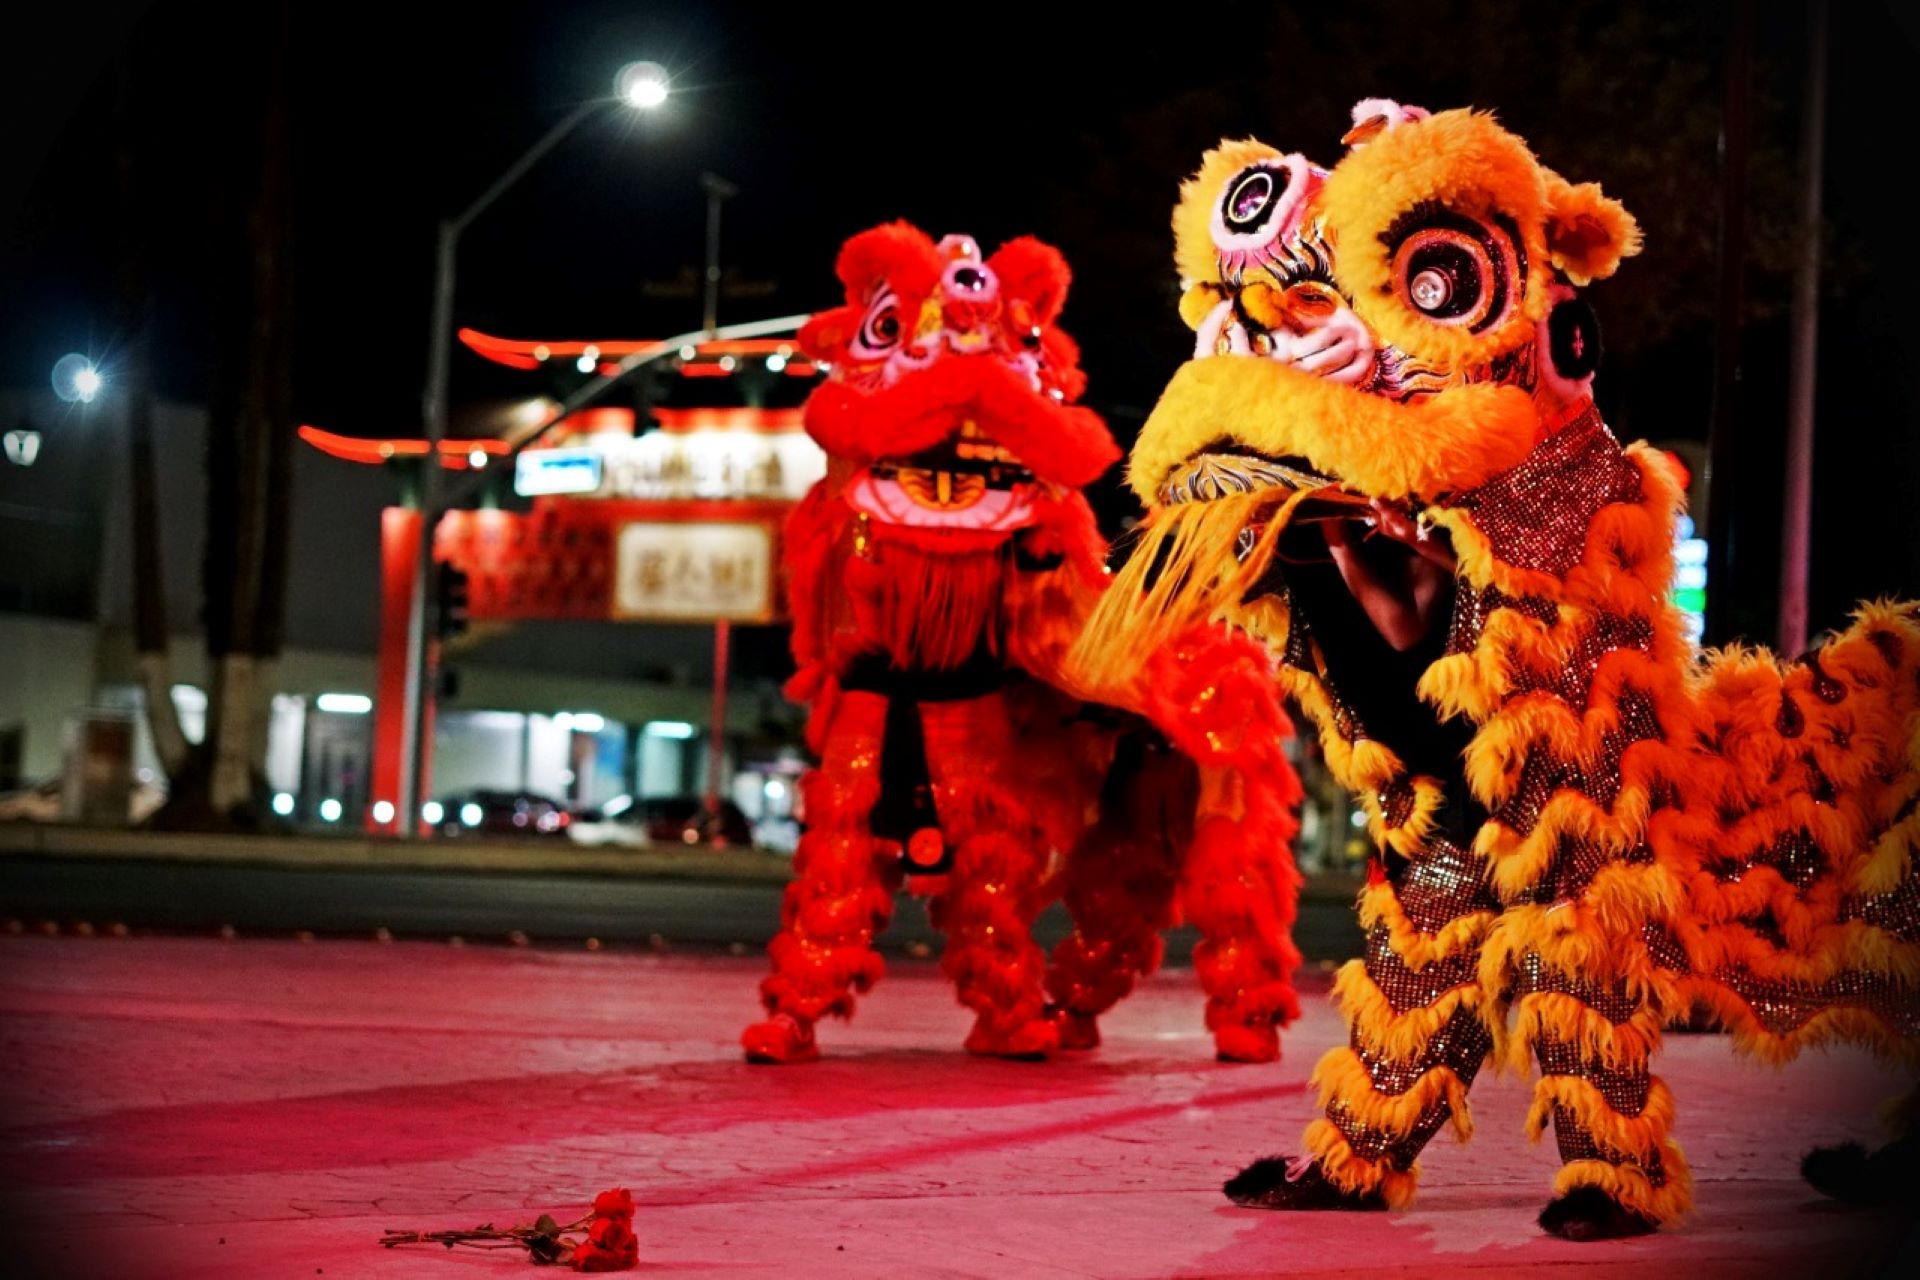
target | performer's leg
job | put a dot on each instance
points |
(1120, 888)
(1417, 1042)
(1887, 1176)
(840, 897)
(996, 887)
(1239, 889)
(1623, 1175)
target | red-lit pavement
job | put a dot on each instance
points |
(198, 1108)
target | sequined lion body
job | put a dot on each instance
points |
(1584, 829)
(937, 575)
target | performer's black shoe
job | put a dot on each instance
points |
(1280, 1182)
(1588, 1213)
(1852, 1174)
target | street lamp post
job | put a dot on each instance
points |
(718, 190)
(640, 85)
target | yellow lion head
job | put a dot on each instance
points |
(1400, 326)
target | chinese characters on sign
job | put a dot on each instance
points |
(713, 464)
(694, 572)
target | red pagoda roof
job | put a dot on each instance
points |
(454, 454)
(707, 361)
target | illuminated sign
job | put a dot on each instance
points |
(669, 465)
(546, 471)
(1689, 594)
(693, 572)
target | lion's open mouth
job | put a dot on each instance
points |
(968, 481)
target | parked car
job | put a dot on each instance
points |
(683, 820)
(502, 813)
(617, 824)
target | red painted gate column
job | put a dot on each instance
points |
(399, 544)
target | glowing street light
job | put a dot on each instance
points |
(76, 379)
(642, 85)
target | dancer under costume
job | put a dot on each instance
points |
(1385, 465)
(937, 576)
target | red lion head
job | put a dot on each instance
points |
(951, 388)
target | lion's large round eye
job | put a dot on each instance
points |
(1251, 197)
(1455, 270)
(880, 330)
(1256, 207)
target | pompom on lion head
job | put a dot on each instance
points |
(951, 387)
(1401, 325)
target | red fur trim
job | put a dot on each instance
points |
(898, 252)
(1212, 691)
(928, 611)
(824, 337)
(1061, 443)
(1035, 273)
(1066, 526)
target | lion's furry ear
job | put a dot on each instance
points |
(1588, 231)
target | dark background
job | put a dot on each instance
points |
(1074, 123)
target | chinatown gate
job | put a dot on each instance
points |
(678, 524)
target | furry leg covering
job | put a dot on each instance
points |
(843, 888)
(1120, 889)
(1212, 692)
(999, 881)
(1612, 1124)
(1413, 1007)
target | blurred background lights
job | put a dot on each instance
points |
(344, 704)
(23, 446)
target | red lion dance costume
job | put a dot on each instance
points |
(1584, 830)
(937, 576)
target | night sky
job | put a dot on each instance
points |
(1070, 122)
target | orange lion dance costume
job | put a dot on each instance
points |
(937, 576)
(1583, 828)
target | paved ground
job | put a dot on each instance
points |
(197, 1108)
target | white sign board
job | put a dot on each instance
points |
(666, 465)
(693, 572)
(538, 472)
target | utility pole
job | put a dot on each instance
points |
(1796, 516)
(1729, 318)
(718, 190)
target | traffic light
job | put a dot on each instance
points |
(453, 591)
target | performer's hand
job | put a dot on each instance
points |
(1402, 594)
(1401, 527)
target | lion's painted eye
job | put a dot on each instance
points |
(880, 330)
(1431, 290)
(1455, 270)
(1251, 197)
(1258, 206)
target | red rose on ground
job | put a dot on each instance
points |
(610, 1246)
(616, 1203)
